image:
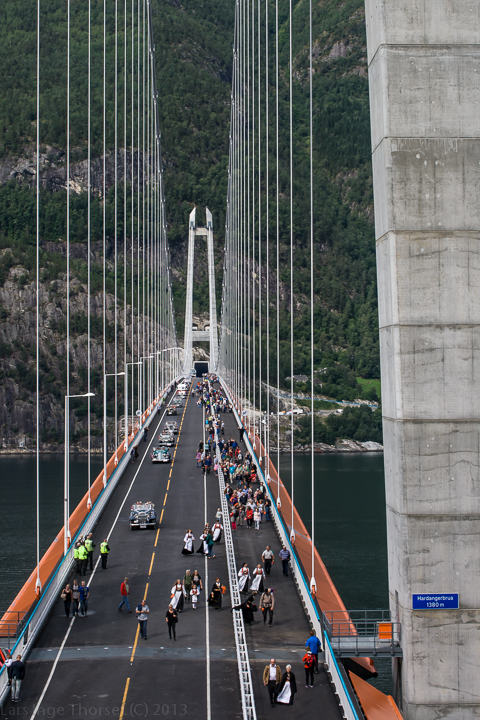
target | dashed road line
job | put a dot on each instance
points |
(122, 709)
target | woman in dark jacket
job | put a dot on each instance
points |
(215, 599)
(171, 618)
(288, 688)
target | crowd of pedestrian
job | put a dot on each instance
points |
(252, 507)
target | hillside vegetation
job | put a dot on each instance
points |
(193, 60)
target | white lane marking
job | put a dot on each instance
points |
(207, 616)
(37, 706)
(47, 684)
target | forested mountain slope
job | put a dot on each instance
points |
(193, 43)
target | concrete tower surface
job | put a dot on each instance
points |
(424, 75)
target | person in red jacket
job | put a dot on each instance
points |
(249, 516)
(125, 592)
(309, 665)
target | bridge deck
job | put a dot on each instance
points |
(285, 640)
(102, 663)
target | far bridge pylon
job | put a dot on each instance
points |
(210, 335)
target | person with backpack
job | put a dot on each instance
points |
(314, 644)
(309, 665)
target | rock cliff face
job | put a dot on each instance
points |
(53, 171)
(17, 359)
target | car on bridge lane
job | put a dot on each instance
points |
(161, 455)
(142, 515)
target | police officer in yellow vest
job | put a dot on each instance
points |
(104, 550)
(83, 557)
(76, 557)
(89, 544)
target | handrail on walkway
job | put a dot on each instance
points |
(350, 706)
(244, 672)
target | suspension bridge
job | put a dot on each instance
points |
(425, 157)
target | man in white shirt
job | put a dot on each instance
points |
(272, 676)
(267, 559)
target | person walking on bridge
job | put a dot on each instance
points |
(309, 665)
(272, 676)
(142, 611)
(104, 550)
(125, 592)
(314, 644)
(268, 559)
(17, 670)
(171, 618)
(84, 591)
(285, 557)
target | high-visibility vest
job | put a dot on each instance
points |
(89, 545)
(82, 552)
(103, 547)
(75, 554)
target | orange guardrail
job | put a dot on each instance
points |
(27, 597)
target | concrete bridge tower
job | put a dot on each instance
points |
(210, 335)
(424, 74)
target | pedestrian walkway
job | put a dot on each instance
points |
(285, 640)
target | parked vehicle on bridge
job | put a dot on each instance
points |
(171, 426)
(161, 455)
(142, 515)
(172, 410)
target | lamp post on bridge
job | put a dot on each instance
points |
(126, 401)
(105, 449)
(66, 474)
(142, 360)
(175, 372)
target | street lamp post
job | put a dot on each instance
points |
(105, 449)
(66, 474)
(142, 359)
(126, 400)
(172, 348)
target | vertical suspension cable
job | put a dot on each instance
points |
(292, 532)
(89, 190)
(37, 318)
(125, 377)
(259, 233)
(132, 228)
(104, 208)
(312, 343)
(267, 294)
(248, 268)
(139, 367)
(115, 232)
(67, 403)
(253, 273)
(277, 200)
(143, 216)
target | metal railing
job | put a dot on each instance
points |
(32, 627)
(246, 685)
(347, 700)
(364, 632)
(11, 628)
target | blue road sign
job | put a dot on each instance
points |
(435, 601)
